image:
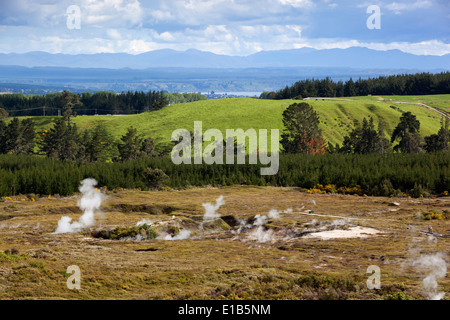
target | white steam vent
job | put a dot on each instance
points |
(211, 209)
(89, 203)
(436, 267)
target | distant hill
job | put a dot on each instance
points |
(355, 57)
(336, 117)
(42, 80)
(199, 71)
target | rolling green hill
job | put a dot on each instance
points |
(337, 117)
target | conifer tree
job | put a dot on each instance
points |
(302, 133)
(3, 112)
(100, 147)
(28, 136)
(130, 145)
(365, 139)
(70, 101)
(13, 136)
(133, 146)
(2, 137)
(61, 142)
(441, 140)
(148, 148)
(408, 132)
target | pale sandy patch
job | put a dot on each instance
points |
(353, 232)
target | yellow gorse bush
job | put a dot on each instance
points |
(434, 215)
(331, 188)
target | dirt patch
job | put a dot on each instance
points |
(65, 210)
(217, 224)
(150, 209)
(353, 232)
(7, 217)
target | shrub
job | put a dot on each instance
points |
(321, 281)
(435, 215)
(419, 191)
(173, 231)
(398, 296)
(142, 232)
(386, 188)
(155, 178)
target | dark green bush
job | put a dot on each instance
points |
(145, 231)
(398, 296)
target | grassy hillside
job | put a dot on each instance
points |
(337, 117)
(438, 101)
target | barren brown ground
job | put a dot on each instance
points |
(219, 262)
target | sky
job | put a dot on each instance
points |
(230, 27)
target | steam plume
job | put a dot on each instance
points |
(144, 221)
(183, 235)
(89, 203)
(437, 267)
(260, 233)
(211, 209)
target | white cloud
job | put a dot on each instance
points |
(430, 47)
(208, 12)
(399, 7)
(165, 36)
(297, 3)
(161, 15)
(108, 13)
(233, 27)
(113, 34)
(140, 46)
(94, 13)
(220, 39)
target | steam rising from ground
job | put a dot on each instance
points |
(211, 209)
(183, 235)
(431, 266)
(260, 233)
(144, 221)
(436, 266)
(89, 203)
(258, 230)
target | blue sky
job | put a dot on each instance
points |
(232, 27)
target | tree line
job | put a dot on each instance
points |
(66, 142)
(404, 84)
(101, 103)
(303, 135)
(392, 174)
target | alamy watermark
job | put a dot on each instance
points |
(74, 281)
(374, 21)
(258, 148)
(374, 281)
(73, 14)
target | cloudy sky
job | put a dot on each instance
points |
(232, 27)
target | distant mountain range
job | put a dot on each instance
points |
(199, 71)
(355, 57)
